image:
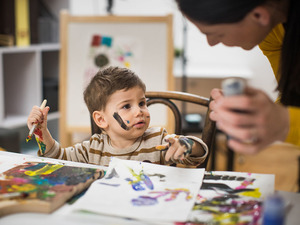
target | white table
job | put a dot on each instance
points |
(64, 216)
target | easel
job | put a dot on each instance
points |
(155, 68)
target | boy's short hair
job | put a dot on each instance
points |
(106, 82)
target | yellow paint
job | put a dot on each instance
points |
(161, 147)
(255, 194)
(22, 188)
(228, 219)
(127, 64)
(28, 138)
(47, 169)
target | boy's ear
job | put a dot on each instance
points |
(261, 15)
(99, 119)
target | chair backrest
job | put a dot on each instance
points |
(166, 98)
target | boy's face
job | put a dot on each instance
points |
(131, 106)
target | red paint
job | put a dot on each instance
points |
(39, 133)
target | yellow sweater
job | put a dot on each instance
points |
(271, 47)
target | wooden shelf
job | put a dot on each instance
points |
(31, 48)
(16, 121)
(23, 75)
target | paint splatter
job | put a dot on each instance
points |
(41, 145)
(112, 174)
(245, 183)
(220, 187)
(38, 132)
(140, 181)
(240, 205)
(28, 138)
(45, 181)
(47, 169)
(255, 194)
(144, 201)
(174, 193)
(112, 185)
(161, 176)
(169, 194)
(231, 210)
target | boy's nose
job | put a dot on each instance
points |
(138, 110)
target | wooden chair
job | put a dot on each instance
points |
(167, 98)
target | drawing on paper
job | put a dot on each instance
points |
(149, 189)
(139, 181)
(169, 194)
(232, 198)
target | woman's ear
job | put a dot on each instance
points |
(261, 15)
(99, 119)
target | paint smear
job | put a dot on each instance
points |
(140, 181)
(167, 195)
(45, 181)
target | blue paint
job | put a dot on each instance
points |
(147, 181)
(144, 200)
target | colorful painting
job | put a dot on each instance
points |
(143, 191)
(228, 198)
(41, 186)
(104, 51)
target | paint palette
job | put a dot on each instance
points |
(42, 187)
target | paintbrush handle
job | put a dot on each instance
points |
(162, 147)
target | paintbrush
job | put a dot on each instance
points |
(34, 125)
(162, 147)
(13, 195)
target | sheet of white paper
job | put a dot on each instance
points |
(143, 191)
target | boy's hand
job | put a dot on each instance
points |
(179, 148)
(38, 116)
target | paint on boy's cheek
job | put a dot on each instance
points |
(121, 122)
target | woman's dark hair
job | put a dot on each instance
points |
(231, 11)
(217, 11)
(289, 83)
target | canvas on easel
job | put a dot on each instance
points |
(143, 44)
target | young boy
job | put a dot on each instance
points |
(116, 100)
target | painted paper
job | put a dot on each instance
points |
(228, 198)
(143, 191)
(43, 186)
(108, 50)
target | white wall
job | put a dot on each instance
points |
(203, 60)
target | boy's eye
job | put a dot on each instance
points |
(127, 106)
(143, 103)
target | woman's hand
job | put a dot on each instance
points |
(252, 120)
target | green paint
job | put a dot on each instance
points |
(41, 144)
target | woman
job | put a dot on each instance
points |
(274, 25)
